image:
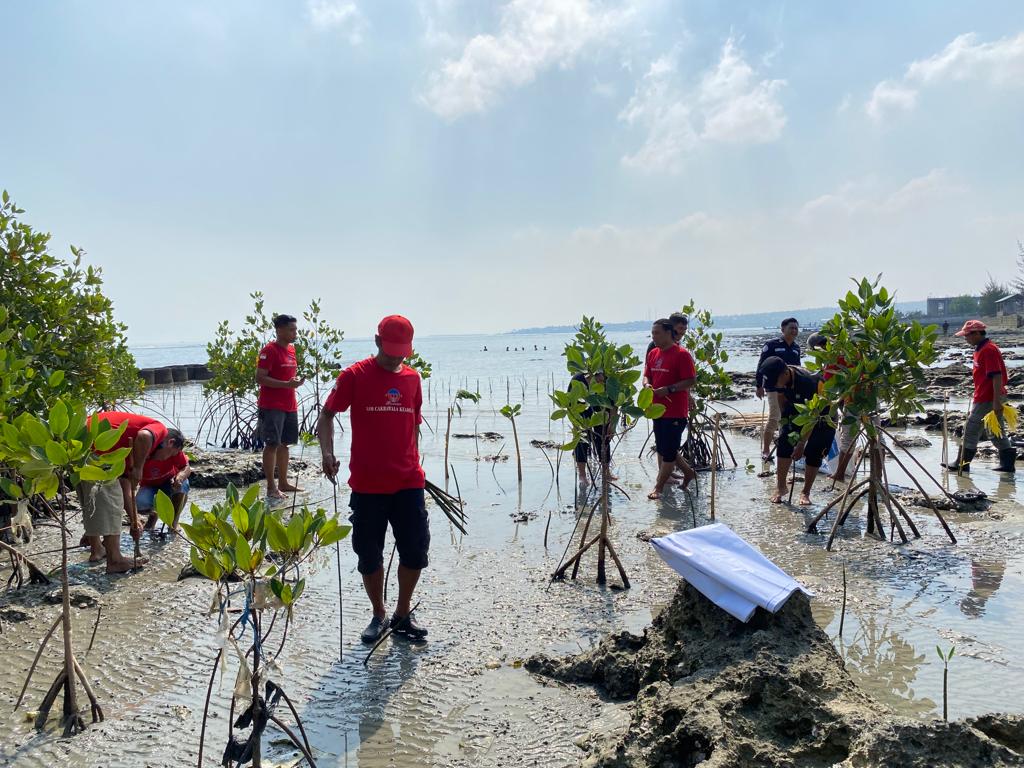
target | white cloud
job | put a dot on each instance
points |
(730, 104)
(999, 64)
(338, 16)
(533, 36)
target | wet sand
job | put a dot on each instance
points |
(463, 699)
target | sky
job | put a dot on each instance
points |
(483, 166)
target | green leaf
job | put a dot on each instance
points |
(558, 415)
(645, 398)
(240, 518)
(296, 533)
(164, 508)
(198, 563)
(56, 378)
(277, 535)
(46, 486)
(243, 555)
(37, 433)
(93, 474)
(58, 417)
(56, 453)
(655, 411)
(106, 440)
(251, 495)
(337, 534)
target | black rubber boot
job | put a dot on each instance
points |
(1007, 460)
(962, 463)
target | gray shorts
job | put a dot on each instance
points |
(278, 427)
(102, 507)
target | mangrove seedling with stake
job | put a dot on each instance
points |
(510, 412)
(876, 363)
(594, 410)
(946, 657)
(254, 554)
(53, 456)
(456, 407)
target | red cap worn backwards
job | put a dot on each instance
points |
(969, 326)
(395, 334)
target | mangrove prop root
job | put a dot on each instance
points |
(294, 740)
(206, 707)
(35, 661)
(36, 574)
(927, 498)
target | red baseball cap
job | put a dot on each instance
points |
(395, 334)
(969, 326)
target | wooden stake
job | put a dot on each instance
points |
(714, 465)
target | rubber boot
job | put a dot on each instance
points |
(1007, 460)
(962, 463)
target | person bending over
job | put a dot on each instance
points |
(793, 386)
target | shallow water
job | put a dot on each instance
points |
(461, 699)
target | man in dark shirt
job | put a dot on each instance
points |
(794, 385)
(786, 348)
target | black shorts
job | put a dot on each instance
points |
(818, 443)
(406, 510)
(595, 436)
(278, 427)
(668, 435)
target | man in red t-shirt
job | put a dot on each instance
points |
(167, 475)
(669, 370)
(104, 504)
(384, 397)
(989, 395)
(278, 424)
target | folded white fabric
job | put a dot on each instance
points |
(727, 570)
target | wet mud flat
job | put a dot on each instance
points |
(465, 698)
(709, 690)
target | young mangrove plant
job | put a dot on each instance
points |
(713, 385)
(876, 363)
(594, 410)
(946, 658)
(257, 557)
(55, 455)
(318, 354)
(510, 412)
(456, 407)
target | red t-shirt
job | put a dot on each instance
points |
(669, 366)
(988, 361)
(385, 414)
(280, 363)
(156, 472)
(136, 423)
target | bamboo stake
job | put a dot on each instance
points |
(842, 615)
(714, 466)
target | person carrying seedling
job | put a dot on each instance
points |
(104, 503)
(385, 398)
(278, 419)
(168, 475)
(794, 386)
(989, 407)
(786, 348)
(670, 371)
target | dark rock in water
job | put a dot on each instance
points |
(479, 436)
(81, 596)
(14, 616)
(546, 444)
(709, 690)
(913, 442)
(215, 469)
(189, 572)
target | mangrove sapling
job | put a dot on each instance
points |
(946, 657)
(510, 412)
(318, 355)
(593, 411)
(456, 407)
(876, 362)
(251, 551)
(54, 455)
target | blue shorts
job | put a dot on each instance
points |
(145, 499)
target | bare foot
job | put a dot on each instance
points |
(124, 566)
(776, 498)
(150, 521)
(276, 494)
(99, 557)
(805, 500)
(688, 480)
(654, 495)
(291, 488)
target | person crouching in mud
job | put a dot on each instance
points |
(387, 481)
(794, 386)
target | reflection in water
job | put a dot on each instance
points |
(880, 660)
(986, 576)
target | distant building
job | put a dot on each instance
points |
(952, 306)
(1010, 305)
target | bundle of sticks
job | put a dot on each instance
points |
(451, 506)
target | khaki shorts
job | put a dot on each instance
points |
(102, 507)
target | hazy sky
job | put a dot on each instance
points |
(484, 166)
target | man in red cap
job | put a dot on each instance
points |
(385, 398)
(989, 395)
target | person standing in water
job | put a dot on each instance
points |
(786, 348)
(278, 407)
(670, 372)
(385, 398)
